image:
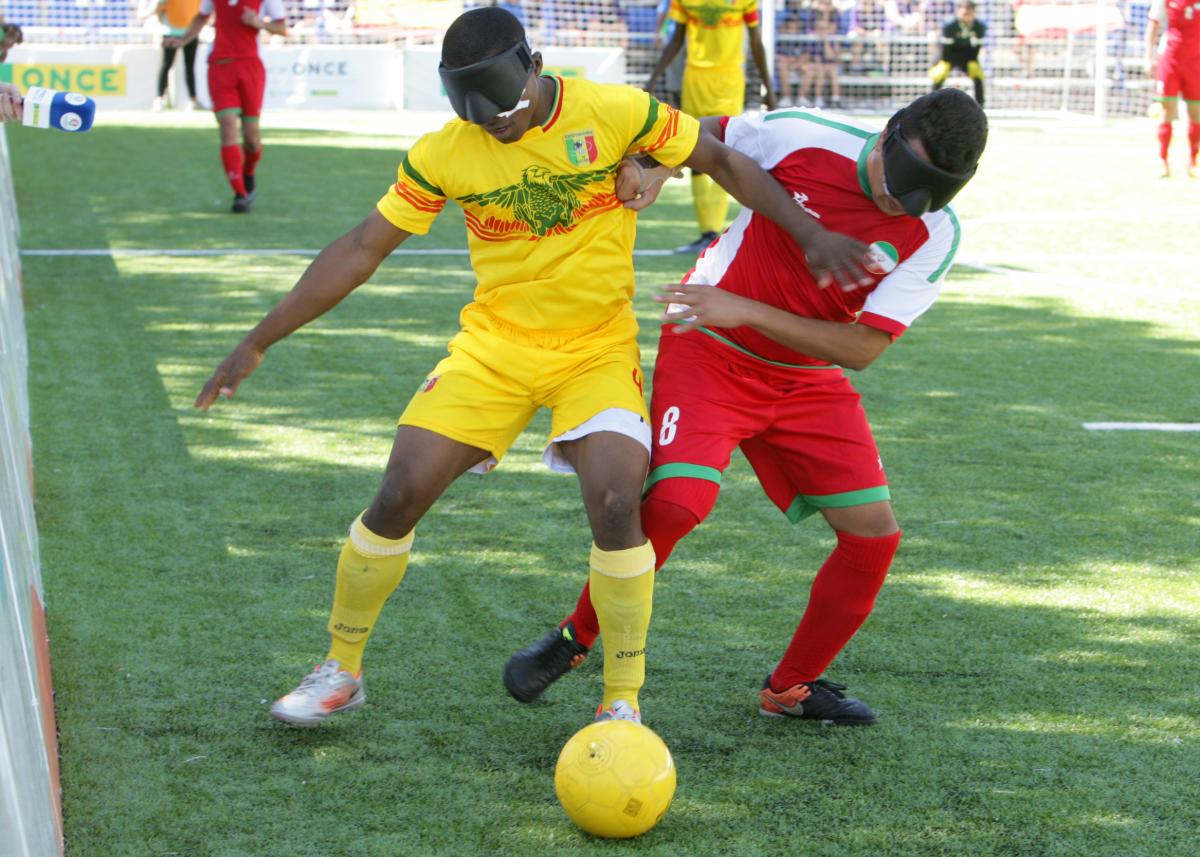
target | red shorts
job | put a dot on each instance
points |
(1176, 77)
(803, 431)
(237, 85)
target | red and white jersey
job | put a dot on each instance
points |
(234, 39)
(1181, 21)
(822, 162)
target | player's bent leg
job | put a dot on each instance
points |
(252, 149)
(371, 566)
(612, 469)
(939, 73)
(534, 668)
(843, 596)
(975, 72)
(1193, 113)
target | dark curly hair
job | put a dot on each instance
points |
(478, 34)
(951, 126)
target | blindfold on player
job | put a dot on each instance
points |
(490, 88)
(918, 185)
(49, 108)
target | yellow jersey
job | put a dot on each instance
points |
(551, 245)
(715, 29)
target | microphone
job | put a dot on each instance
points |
(66, 111)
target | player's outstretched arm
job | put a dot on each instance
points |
(854, 346)
(832, 257)
(338, 270)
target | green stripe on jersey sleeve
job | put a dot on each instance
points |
(420, 179)
(651, 118)
(933, 278)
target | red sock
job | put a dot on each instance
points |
(253, 156)
(843, 595)
(664, 524)
(233, 159)
(1194, 140)
(1164, 139)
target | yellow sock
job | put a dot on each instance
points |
(369, 570)
(711, 203)
(622, 585)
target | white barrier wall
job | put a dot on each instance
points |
(342, 77)
(30, 819)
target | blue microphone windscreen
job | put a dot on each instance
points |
(66, 111)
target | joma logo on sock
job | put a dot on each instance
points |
(350, 629)
(640, 653)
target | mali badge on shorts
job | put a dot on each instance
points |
(581, 148)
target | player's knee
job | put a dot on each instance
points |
(974, 70)
(614, 517)
(396, 508)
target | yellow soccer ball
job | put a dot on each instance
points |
(615, 779)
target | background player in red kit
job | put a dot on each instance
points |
(236, 82)
(755, 363)
(1177, 72)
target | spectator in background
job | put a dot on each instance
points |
(824, 56)
(175, 16)
(962, 40)
(1177, 72)
(791, 50)
(904, 17)
(865, 31)
(12, 36)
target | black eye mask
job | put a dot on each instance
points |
(914, 181)
(481, 91)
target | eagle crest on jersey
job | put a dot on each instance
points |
(709, 14)
(542, 200)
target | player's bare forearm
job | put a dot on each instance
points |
(338, 270)
(276, 28)
(1152, 33)
(854, 346)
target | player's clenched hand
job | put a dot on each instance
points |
(628, 186)
(639, 180)
(697, 305)
(836, 258)
(233, 370)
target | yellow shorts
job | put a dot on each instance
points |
(498, 375)
(717, 91)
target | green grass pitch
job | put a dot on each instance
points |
(1032, 656)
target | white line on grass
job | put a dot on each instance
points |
(1142, 426)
